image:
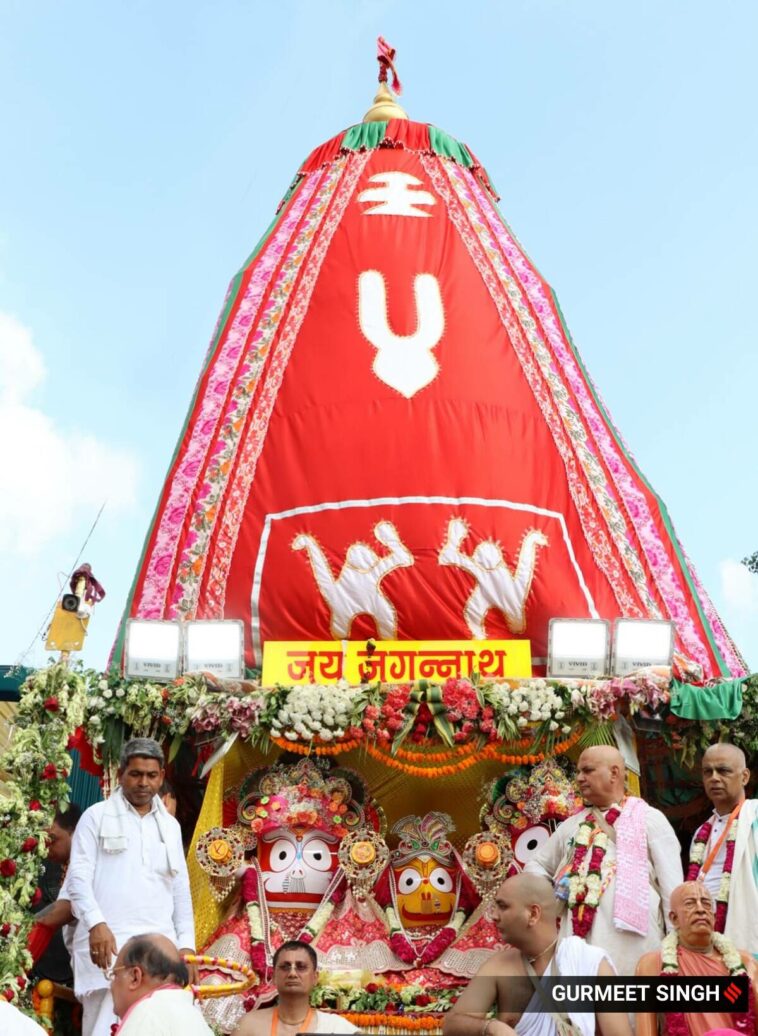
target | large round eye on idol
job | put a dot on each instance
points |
(282, 855)
(440, 879)
(408, 881)
(317, 854)
(529, 843)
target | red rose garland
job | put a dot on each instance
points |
(403, 947)
(585, 890)
(697, 855)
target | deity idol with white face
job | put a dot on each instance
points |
(527, 805)
(294, 815)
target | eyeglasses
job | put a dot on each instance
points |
(110, 973)
(296, 965)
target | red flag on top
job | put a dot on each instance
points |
(394, 435)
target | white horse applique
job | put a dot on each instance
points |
(496, 586)
(356, 590)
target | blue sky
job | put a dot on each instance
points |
(147, 145)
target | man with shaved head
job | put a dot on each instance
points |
(148, 985)
(616, 863)
(527, 917)
(724, 851)
(695, 950)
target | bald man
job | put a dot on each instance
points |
(734, 819)
(527, 917)
(697, 956)
(615, 862)
(149, 988)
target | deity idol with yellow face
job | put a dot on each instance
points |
(425, 875)
(425, 891)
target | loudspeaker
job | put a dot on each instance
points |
(70, 603)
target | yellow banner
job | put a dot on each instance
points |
(393, 661)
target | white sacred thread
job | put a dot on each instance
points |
(356, 590)
(404, 362)
(398, 196)
(496, 586)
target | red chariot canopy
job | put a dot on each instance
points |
(394, 435)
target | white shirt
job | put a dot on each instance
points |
(712, 880)
(132, 891)
(14, 1023)
(68, 930)
(166, 1012)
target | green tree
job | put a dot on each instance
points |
(751, 562)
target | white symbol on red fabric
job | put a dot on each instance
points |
(356, 590)
(398, 197)
(404, 362)
(496, 586)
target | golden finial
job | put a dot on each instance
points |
(385, 106)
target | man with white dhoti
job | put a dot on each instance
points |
(527, 917)
(724, 850)
(616, 863)
(127, 875)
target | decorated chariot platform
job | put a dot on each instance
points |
(393, 446)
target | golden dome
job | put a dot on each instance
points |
(385, 107)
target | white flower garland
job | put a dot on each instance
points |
(592, 883)
(725, 947)
(317, 711)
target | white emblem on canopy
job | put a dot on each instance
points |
(398, 197)
(496, 586)
(404, 362)
(356, 589)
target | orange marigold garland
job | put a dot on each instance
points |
(316, 747)
(428, 1022)
(471, 758)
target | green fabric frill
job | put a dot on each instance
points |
(722, 701)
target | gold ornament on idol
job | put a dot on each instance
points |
(220, 852)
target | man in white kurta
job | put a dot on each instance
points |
(600, 777)
(725, 777)
(127, 876)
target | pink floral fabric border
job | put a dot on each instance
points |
(635, 504)
(223, 550)
(667, 580)
(212, 419)
(481, 254)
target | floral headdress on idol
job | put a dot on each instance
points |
(425, 836)
(304, 794)
(307, 793)
(523, 798)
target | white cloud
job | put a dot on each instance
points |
(52, 478)
(22, 368)
(739, 586)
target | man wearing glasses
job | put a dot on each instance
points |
(148, 985)
(295, 973)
